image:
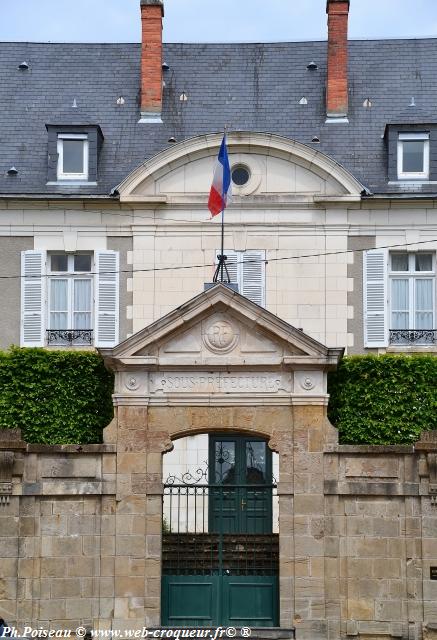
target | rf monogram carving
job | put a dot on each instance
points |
(220, 336)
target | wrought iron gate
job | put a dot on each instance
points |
(220, 555)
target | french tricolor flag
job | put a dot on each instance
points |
(220, 193)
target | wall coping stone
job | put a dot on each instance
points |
(370, 488)
(10, 440)
(71, 448)
(370, 448)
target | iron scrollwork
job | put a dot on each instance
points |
(189, 478)
(413, 336)
(70, 336)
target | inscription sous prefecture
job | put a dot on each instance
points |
(216, 383)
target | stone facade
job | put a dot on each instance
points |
(299, 204)
(80, 529)
(81, 526)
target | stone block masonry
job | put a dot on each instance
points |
(80, 527)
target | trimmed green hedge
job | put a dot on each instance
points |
(385, 399)
(55, 397)
(64, 397)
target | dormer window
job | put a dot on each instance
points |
(413, 156)
(73, 154)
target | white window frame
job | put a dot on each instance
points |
(412, 276)
(70, 275)
(411, 175)
(61, 175)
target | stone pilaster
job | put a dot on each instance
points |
(138, 519)
(309, 435)
(281, 442)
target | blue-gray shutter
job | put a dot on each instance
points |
(375, 298)
(231, 264)
(33, 298)
(253, 276)
(107, 299)
(247, 270)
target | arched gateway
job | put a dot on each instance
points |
(223, 366)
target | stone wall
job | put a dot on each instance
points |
(80, 527)
(57, 533)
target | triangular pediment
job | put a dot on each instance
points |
(220, 328)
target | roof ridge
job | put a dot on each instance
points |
(218, 43)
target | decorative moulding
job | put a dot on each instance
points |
(238, 143)
(6, 464)
(428, 445)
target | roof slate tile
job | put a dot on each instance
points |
(253, 87)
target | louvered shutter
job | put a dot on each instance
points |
(107, 299)
(375, 298)
(253, 276)
(33, 288)
(232, 265)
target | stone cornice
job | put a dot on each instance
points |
(220, 400)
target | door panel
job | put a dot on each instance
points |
(250, 600)
(190, 600)
(220, 600)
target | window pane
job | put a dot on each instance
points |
(82, 263)
(400, 320)
(59, 321)
(82, 321)
(424, 295)
(256, 463)
(225, 463)
(400, 304)
(58, 317)
(399, 262)
(424, 314)
(59, 295)
(424, 320)
(59, 262)
(413, 153)
(82, 295)
(423, 262)
(73, 156)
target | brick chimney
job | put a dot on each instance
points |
(152, 12)
(337, 80)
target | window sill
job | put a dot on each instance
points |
(412, 348)
(412, 181)
(68, 347)
(71, 183)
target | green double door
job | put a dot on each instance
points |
(240, 475)
(235, 580)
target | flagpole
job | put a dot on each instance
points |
(221, 266)
(222, 252)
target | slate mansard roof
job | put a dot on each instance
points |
(254, 87)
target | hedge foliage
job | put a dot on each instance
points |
(55, 397)
(64, 397)
(385, 399)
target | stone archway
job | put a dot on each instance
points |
(172, 379)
